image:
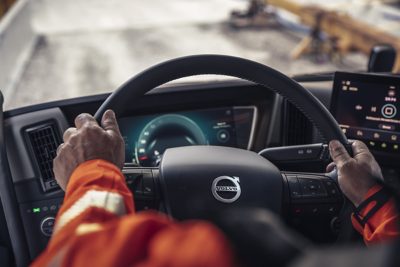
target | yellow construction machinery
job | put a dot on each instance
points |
(344, 32)
(5, 5)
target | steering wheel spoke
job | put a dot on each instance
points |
(313, 197)
(307, 187)
(143, 183)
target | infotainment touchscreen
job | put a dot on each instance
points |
(367, 108)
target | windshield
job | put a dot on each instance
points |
(57, 49)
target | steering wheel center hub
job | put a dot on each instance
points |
(197, 180)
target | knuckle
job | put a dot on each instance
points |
(340, 155)
(338, 150)
(83, 116)
(72, 139)
(80, 117)
(68, 132)
(90, 129)
(347, 165)
(83, 119)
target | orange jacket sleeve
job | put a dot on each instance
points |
(383, 225)
(97, 226)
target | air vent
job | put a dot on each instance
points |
(297, 128)
(44, 141)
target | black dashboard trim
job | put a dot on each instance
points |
(168, 88)
(10, 203)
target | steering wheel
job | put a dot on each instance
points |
(190, 181)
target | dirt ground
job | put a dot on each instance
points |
(93, 46)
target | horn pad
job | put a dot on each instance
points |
(199, 180)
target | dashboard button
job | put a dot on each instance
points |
(294, 187)
(223, 136)
(148, 183)
(134, 180)
(389, 111)
(332, 189)
(47, 225)
(312, 187)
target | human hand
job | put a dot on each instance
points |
(86, 142)
(357, 174)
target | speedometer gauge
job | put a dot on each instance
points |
(166, 131)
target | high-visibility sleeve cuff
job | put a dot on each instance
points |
(374, 201)
(90, 170)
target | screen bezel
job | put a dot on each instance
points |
(253, 120)
(375, 78)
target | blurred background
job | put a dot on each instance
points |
(57, 49)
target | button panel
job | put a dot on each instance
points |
(294, 187)
(303, 187)
(312, 188)
(141, 182)
(313, 195)
(38, 221)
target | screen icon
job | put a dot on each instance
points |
(389, 111)
(373, 109)
(223, 136)
(359, 107)
(371, 143)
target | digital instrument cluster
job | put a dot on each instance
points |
(148, 136)
(367, 108)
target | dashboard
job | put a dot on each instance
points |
(229, 113)
(147, 137)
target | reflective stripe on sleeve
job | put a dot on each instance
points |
(109, 201)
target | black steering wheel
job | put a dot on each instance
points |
(196, 179)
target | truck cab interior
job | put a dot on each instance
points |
(258, 139)
(265, 128)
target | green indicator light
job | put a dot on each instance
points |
(36, 210)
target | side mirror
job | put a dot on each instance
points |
(382, 58)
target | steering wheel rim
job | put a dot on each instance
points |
(182, 168)
(237, 67)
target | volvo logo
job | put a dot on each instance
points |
(226, 189)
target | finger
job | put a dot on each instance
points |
(59, 148)
(84, 119)
(330, 167)
(67, 134)
(338, 153)
(109, 122)
(359, 148)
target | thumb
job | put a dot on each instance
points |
(109, 122)
(338, 153)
